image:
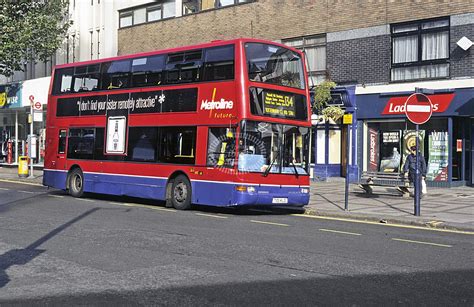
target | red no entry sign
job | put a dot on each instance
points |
(418, 108)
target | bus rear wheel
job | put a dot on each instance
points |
(181, 193)
(76, 183)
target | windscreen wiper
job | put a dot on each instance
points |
(265, 173)
(294, 167)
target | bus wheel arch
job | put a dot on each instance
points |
(75, 181)
(179, 191)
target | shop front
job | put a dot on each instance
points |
(15, 120)
(445, 140)
(334, 145)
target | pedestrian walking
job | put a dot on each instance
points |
(410, 166)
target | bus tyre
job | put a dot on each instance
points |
(181, 193)
(76, 183)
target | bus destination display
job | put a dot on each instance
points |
(277, 104)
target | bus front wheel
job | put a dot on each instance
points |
(76, 183)
(181, 193)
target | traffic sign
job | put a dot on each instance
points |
(418, 108)
(38, 106)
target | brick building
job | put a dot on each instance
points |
(379, 51)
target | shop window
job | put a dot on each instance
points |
(219, 63)
(420, 50)
(315, 49)
(334, 146)
(177, 145)
(62, 141)
(388, 145)
(221, 147)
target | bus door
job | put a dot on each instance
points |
(60, 160)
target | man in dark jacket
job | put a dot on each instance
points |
(410, 165)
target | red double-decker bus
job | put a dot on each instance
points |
(223, 124)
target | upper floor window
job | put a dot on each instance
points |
(420, 50)
(194, 6)
(315, 50)
(147, 13)
(126, 19)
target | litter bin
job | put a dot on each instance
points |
(23, 166)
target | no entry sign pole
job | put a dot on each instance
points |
(417, 173)
(418, 109)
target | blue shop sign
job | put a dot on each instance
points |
(448, 102)
(10, 96)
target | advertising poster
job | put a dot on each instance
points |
(409, 140)
(116, 128)
(373, 150)
(390, 151)
(438, 156)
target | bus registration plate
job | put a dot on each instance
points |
(280, 200)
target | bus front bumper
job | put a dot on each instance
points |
(256, 195)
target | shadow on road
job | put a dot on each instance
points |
(443, 288)
(247, 210)
(25, 255)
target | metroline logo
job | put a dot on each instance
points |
(396, 105)
(217, 105)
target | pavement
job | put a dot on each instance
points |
(443, 208)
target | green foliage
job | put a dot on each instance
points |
(30, 30)
(322, 94)
(333, 112)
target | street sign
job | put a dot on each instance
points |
(418, 108)
(38, 106)
(347, 119)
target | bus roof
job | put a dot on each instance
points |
(173, 50)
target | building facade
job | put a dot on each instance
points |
(92, 35)
(376, 50)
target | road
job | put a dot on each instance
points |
(97, 250)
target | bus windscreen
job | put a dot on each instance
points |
(275, 65)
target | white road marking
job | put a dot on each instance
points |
(212, 215)
(29, 192)
(341, 232)
(422, 242)
(269, 223)
(382, 224)
(57, 196)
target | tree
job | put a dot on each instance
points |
(30, 30)
(322, 96)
